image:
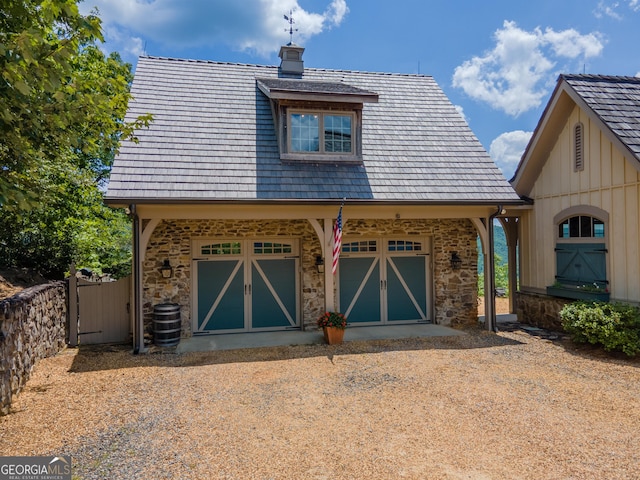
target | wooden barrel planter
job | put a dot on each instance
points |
(166, 324)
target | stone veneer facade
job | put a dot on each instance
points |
(454, 293)
(540, 310)
(34, 326)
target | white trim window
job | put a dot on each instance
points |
(321, 132)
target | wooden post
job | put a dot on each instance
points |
(73, 306)
(510, 226)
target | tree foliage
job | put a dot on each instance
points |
(62, 107)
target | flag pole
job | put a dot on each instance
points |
(337, 239)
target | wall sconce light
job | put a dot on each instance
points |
(166, 269)
(320, 264)
(456, 261)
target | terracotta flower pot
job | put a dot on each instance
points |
(333, 335)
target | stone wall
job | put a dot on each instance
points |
(454, 292)
(540, 310)
(33, 326)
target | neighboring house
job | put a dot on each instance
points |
(238, 181)
(581, 169)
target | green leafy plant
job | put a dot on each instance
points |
(615, 326)
(332, 319)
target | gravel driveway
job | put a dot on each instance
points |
(478, 406)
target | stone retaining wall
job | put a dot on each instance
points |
(540, 310)
(454, 292)
(33, 326)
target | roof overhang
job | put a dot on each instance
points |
(305, 210)
(314, 91)
(123, 202)
(555, 115)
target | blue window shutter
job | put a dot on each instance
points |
(581, 263)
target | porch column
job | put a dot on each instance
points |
(138, 320)
(325, 236)
(485, 231)
(140, 242)
(489, 280)
(510, 226)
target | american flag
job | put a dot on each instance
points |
(337, 240)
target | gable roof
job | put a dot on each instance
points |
(612, 103)
(213, 139)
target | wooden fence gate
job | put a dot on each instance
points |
(101, 311)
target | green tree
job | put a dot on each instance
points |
(501, 270)
(62, 105)
(39, 40)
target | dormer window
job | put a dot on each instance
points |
(317, 121)
(321, 132)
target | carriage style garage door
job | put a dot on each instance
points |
(385, 281)
(245, 285)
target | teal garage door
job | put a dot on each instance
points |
(246, 286)
(384, 281)
(360, 289)
(220, 293)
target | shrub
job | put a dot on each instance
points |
(615, 326)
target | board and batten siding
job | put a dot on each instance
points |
(610, 182)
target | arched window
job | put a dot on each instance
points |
(581, 253)
(578, 147)
(581, 226)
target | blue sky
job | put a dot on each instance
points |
(497, 60)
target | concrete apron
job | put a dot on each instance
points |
(205, 343)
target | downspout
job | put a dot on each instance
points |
(490, 315)
(138, 324)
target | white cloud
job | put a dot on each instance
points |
(610, 9)
(514, 77)
(507, 149)
(253, 25)
(607, 9)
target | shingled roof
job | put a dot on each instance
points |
(613, 103)
(213, 139)
(616, 101)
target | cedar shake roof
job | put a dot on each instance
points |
(616, 101)
(213, 139)
(613, 104)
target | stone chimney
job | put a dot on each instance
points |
(291, 55)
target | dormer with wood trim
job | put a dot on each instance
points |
(317, 121)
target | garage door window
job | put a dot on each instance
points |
(360, 247)
(404, 246)
(222, 248)
(262, 248)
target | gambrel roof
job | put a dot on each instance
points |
(213, 138)
(612, 102)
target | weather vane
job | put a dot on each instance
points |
(290, 29)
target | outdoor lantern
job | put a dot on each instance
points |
(166, 270)
(456, 261)
(320, 264)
